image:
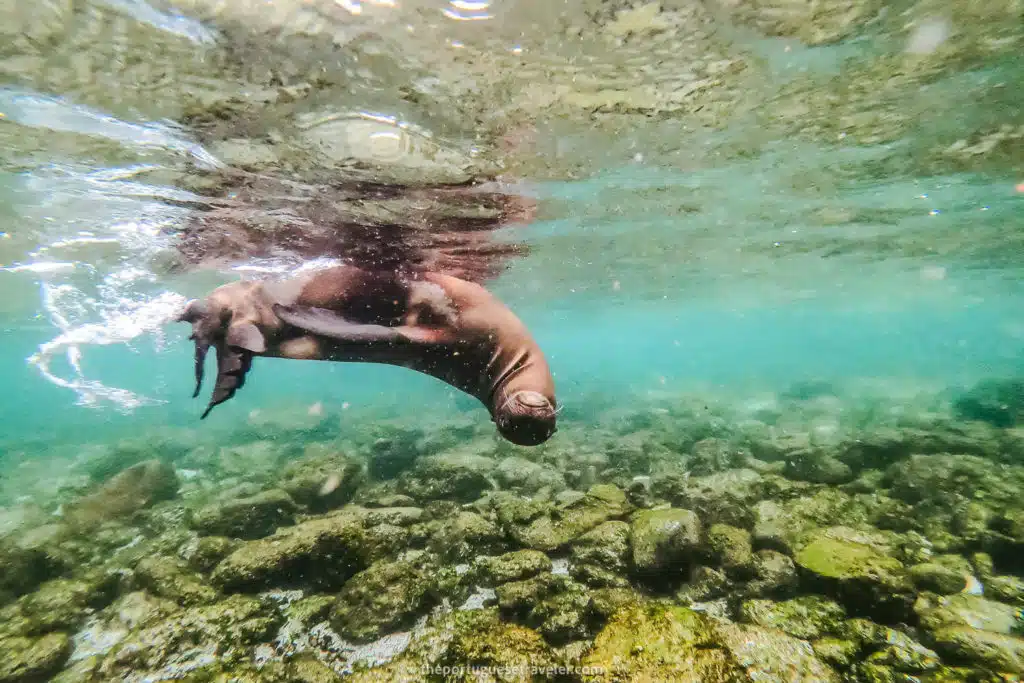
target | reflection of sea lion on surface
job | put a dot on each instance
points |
(436, 324)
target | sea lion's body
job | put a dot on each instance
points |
(451, 329)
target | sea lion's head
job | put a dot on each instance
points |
(526, 418)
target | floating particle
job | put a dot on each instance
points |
(933, 273)
(316, 409)
(616, 286)
(345, 405)
(332, 483)
(1020, 187)
(928, 36)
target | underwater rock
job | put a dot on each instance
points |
(387, 596)
(999, 652)
(62, 604)
(664, 541)
(224, 632)
(972, 611)
(775, 575)
(784, 526)
(514, 566)
(818, 468)
(601, 557)
(168, 578)
(22, 569)
(704, 584)
(653, 641)
(730, 548)
(818, 23)
(26, 660)
(525, 476)
(997, 402)
(723, 498)
(497, 651)
(1008, 589)
(246, 518)
(807, 617)
(884, 447)
(712, 455)
(465, 536)
(204, 553)
(127, 492)
(322, 553)
(856, 569)
(555, 605)
(939, 577)
(572, 517)
(454, 476)
(322, 483)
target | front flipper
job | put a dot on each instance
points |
(232, 365)
(325, 323)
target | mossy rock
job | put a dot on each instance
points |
(185, 641)
(730, 548)
(23, 569)
(465, 536)
(246, 518)
(939, 578)
(775, 575)
(850, 567)
(318, 553)
(461, 642)
(572, 518)
(514, 566)
(557, 606)
(324, 483)
(170, 578)
(450, 476)
(722, 498)
(206, 552)
(658, 642)
(601, 557)
(387, 596)
(62, 604)
(808, 617)
(664, 541)
(997, 402)
(995, 651)
(24, 660)
(972, 611)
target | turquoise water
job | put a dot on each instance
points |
(769, 248)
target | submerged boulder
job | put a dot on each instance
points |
(514, 566)
(572, 517)
(33, 659)
(601, 557)
(858, 571)
(127, 492)
(246, 518)
(387, 596)
(664, 541)
(448, 476)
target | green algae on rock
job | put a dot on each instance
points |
(807, 617)
(571, 518)
(169, 578)
(386, 596)
(601, 557)
(138, 487)
(514, 566)
(449, 476)
(246, 518)
(33, 659)
(664, 541)
(853, 568)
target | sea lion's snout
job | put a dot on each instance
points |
(527, 418)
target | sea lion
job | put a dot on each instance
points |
(440, 325)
